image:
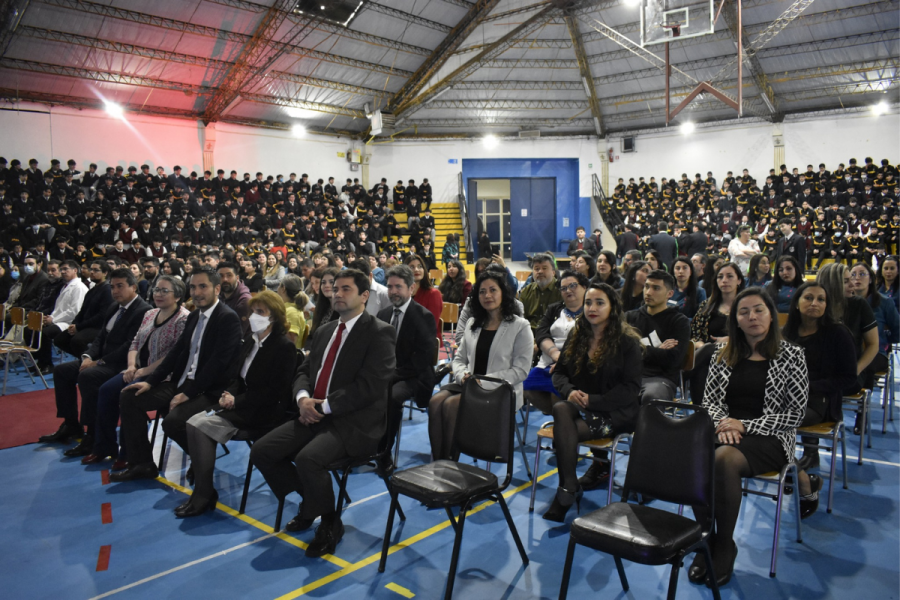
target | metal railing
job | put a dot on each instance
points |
(464, 217)
(611, 216)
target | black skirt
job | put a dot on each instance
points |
(764, 453)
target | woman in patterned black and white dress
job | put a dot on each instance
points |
(756, 394)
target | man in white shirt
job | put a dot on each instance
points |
(378, 294)
(68, 303)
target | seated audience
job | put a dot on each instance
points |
(606, 270)
(106, 356)
(632, 291)
(583, 263)
(653, 259)
(87, 323)
(335, 417)
(888, 280)
(324, 313)
(235, 295)
(496, 343)
(543, 291)
(159, 331)
(455, 287)
(759, 274)
(742, 249)
(756, 394)
(550, 337)
(599, 375)
(295, 300)
(688, 295)
(258, 399)
(66, 308)
(788, 277)
(274, 272)
(423, 290)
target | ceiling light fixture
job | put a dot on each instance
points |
(687, 128)
(114, 110)
(880, 108)
(298, 130)
(490, 141)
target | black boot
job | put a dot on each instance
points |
(596, 475)
(562, 502)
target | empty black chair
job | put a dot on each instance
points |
(484, 431)
(672, 460)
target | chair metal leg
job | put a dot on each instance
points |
(342, 487)
(454, 559)
(153, 433)
(386, 543)
(868, 430)
(711, 570)
(512, 528)
(844, 453)
(452, 518)
(41, 375)
(162, 452)
(397, 444)
(567, 570)
(831, 471)
(246, 486)
(792, 468)
(526, 408)
(278, 514)
(6, 371)
(621, 569)
(522, 449)
(673, 578)
(537, 458)
(797, 514)
(342, 493)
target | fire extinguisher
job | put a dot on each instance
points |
(612, 154)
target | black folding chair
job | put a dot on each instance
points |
(647, 535)
(484, 431)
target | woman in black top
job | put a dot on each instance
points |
(258, 399)
(756, 394)
(830, 359)
(324, 312)
(632, 292)
(599, 376)
(583, 263)
(607, 271)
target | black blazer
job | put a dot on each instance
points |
(32, 287)
(112, 346)
(796, 247)
(589, 246)
(263, 399)
(96, 303)
(359, 385)
(220, 348)
(415, 349)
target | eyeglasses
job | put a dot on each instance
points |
(859, 275)
(569, 288)
(161, 290)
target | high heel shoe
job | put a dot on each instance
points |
(810, 504)
(194, 509)
(561, 504)
(724, 570)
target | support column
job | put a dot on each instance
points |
(209, 146)
(778, 143)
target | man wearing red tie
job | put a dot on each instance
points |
(341, 393)
(581, 243)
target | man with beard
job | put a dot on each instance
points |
(235, 295)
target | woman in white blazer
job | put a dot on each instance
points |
(496, 343)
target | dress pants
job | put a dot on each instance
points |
(75, 344)
(400, 393)
(133, 410)
(108, 417)
(44, 355)
(293, 457)
(68, 381)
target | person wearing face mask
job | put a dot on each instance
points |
(32, 280)
(257, 400)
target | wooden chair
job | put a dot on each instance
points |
(835, 432)
(782, 320)
(450, 314)
(436, 275)
(523, 275)
(34, 323)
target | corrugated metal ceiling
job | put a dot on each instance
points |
(511, 64)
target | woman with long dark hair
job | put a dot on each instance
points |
(688, 295)
(888, 280)
(654, 259)
(709, 274)
(455, 287)
(756, 394)
(606, 270)
(788, 277)
(599, 376)
(496, 343)
(710, 324)
(583, 263)
(862, 278)
(324, 312)
(830, 359)
(759, 274)
(423, 290)
(632, 292)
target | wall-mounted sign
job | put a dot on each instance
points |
(342, 155)
(524, 212)
(453, 161)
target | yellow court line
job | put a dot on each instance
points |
(399, 589)
(400, 545)
(281, 535)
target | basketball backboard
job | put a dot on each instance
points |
(667, 20)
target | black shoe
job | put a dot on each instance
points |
(810, 504)
(562, 503)
(190, 475)
(597, 475)
(144, 471)
(328, 534)
(858, 425)
(65, 431)
(384, 465)
(299, 523)
(194, 508)
(84, 447)
(698, 569)
(724, 566)
(809, 460)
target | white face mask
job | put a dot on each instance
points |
(258, 323)
(29, 269)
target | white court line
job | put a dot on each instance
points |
(856, 459)
(184, 566)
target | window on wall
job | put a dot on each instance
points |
(494, 214)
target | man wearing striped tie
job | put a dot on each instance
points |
(341, 392)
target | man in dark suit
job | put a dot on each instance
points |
(106, 356)
(665, 244)
(338, 417)
(33, 283)
(695, 242)
(86, 325)
(414, 375)
(582, 243)
(198, 369)
(790, 243)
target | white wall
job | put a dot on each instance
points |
(832, 141)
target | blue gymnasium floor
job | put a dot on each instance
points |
(59, 517)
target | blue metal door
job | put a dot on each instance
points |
(533, 215)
